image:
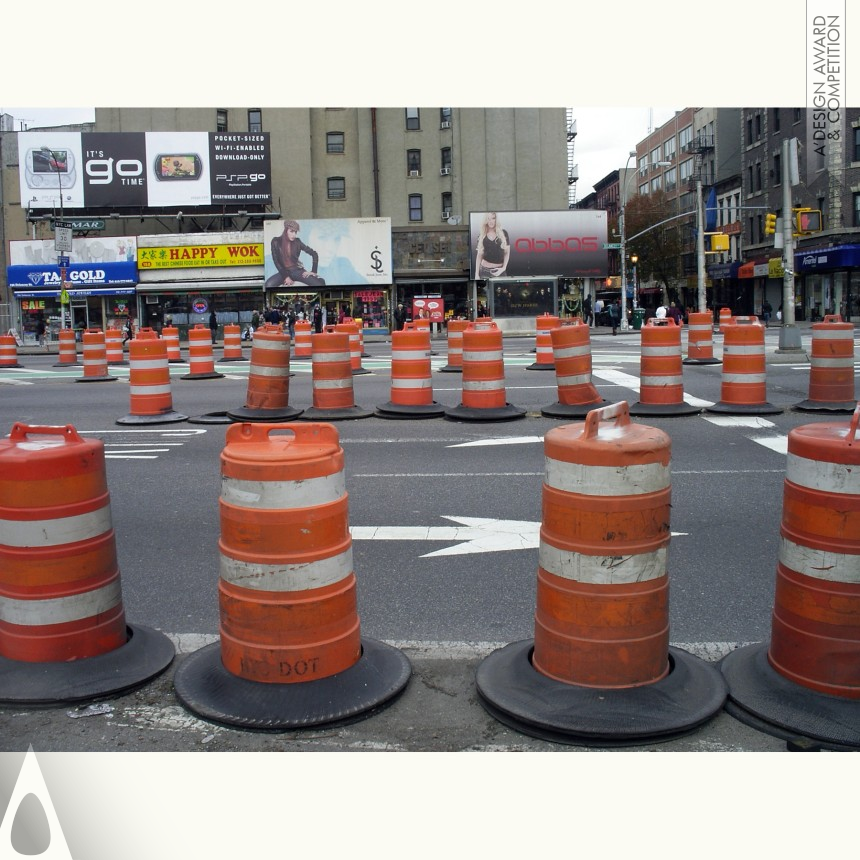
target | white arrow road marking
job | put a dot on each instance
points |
(507, 440)
(775, 442)
(476, 535)
(617, 377)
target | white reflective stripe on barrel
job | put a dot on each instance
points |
(833, 334)
(329, 357)
(148, 363)
(279, 495)
(606, 480)
(149, 389)
(749, 378)
(819, 563)
(482, 355)
(662, 350)
(702, 342)
(262, 370)
(265, 343)
(60, 610)
(661, 380)
(286, 576)
(572, 351)
(821, 475)
(843, 361)
(740, 349)
(486, 385)
(423, 382)
(343, 382)
(55, 532)
(410, 354)
(579, 379)
(603, 569)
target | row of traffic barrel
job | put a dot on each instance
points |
(599, 670)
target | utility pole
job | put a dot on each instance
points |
(700, 247)
(789, 336)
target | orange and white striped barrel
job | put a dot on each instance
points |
(661, 375)
(455, 346)
(483, 397)
(149, 383)
(544, 358)
(331, 377)
(571, 346)
(287, 590)
(95, 357)
(146, 333)
(744, 375)
(60, 596)
(268, 393)
(114, 346)
(700, 339)
(232, 343)
(831, 372)
(725, 317)
(352, 330)
(358, 322)
(8, 351)
(303, 347)
(68, 354)
(170, 336)
(602, 617)
(815, 633)
(201, 358)
(411, 380)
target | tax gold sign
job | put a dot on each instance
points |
(199, 256)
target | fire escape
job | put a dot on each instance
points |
(572, 167)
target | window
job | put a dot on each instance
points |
(758, 126)
(413, 120)
(669, 150)
(856, 209)
(643, 188)
(446, 157)
(749, 131)
(856, 156)
(445, 117)
(758, 176)
(749, 179)
(334, 141)
(656, 182)
(336, 186)
(797, 114)
(752, 229)
(655, 155)
(776, 119)
(413, 162)
(670, 178)
(686, 169)
(255, 120)
(685, 135)
(416, 208)
(447, 204)
(777, 169)
(221, 120)
(760, 227)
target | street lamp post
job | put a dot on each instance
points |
(49, 154)
(634, 259)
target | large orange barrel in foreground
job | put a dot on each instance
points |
(411, 380)
(700, 339)
(483, 397)
(602, 613)
(831, 372)
(287, 591)
(806, 683)
(63, 632)
(149, 383)
(571, 345)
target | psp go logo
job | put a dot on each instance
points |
(570, 245)
(102, 171)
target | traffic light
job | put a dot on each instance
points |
(719, 242)
(769, 224)
(807, 220)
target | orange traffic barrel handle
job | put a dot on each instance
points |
(619, 412)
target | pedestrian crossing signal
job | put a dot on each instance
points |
(807, 220)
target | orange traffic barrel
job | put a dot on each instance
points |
(411, 378)
(483, 397)
(8, 351)
(661, 374)
(232, 343)
(268, 394)
(63, 631)
(331, 378)
(146, 333)
(95, 357)
(744, 375)
(600, 669)
(201, 358)
(359, 324)
(806, 682)
(700, 339)
(544, 358)
(355, 347)
(303, 347)
(831, 373)
(577, 396)
(455, 346)
(725, 317)
(170, 336)
(291, 653)
(68, 351)
(149, 384)
(114, 346)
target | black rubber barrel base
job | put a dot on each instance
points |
(519, 696)
(146, 654)
(664, 409)
(829, 406)
(498, 413)
(571, 410)
(315, 413)
(399, 410)
(163, 418)
(243, 413)
(744, 409)
(771, 703)
(206, 688)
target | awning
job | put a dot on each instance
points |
(746, 270)
(723, 270)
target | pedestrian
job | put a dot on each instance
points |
(213, 325)
(660, 313)
(399, 316)
(318, 319)
(41, 328)
(598, 308)
(255, 320)
(766, 311)
(587, 313)
(291, 322)
(127, 331)
(675, 313)
(615, 315)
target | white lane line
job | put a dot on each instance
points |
(617, 377)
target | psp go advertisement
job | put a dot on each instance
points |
(71, 170)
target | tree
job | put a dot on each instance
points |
(659, 249)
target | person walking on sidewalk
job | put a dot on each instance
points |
(41, 328)
(615, 315)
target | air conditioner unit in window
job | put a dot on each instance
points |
(446, 124)
(414, 172)
(446, 214)
(444, 171)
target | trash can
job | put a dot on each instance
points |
(638, 318)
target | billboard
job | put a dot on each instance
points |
(334, 252)
(137, 169)
(568, 243)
